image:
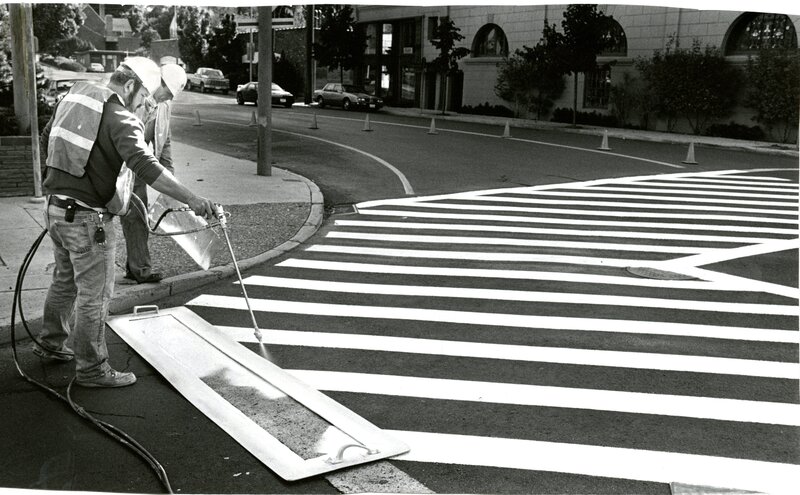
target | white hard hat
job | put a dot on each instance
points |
(146, 70)
(174, 77)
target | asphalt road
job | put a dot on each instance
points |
(502, 333)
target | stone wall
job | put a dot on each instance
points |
(16, 169)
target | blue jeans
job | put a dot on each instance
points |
(83, 285)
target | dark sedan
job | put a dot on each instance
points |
(346, 96)
(249, 93)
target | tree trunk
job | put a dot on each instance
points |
(575, 100)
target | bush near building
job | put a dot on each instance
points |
(774, 90)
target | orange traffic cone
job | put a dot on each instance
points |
(197, 114)
(253, 122)
(366, 124)
(313, 122)
(433, 126)
(507, 130)
(604, 144)
(690, 155)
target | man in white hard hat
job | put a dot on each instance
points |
(94, 144)
(138, 266)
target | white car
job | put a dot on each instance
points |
(96, 67)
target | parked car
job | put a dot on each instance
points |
(346, 96)
(96, 67)
(57, 88)
(249, 93)
(207, 79)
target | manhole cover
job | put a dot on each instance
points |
(646, 272)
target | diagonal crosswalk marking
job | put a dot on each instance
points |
(685, 194)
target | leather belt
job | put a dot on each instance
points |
(68, 203)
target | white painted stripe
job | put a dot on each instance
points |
(785, 189)
(582, 194)
(730, 175)
(587, 222)
(506, 241)
(483, 256)
(483, 350)
(72, 138)
(529, 322)
(627, 204)
(680, 193)
(542, 231)
(747, 411)
(733, 183)
(521, 296)
(437, 271)
(715, 256)
(609, 462)
(732, 280)
(86, 101)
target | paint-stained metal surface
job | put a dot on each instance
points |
(292, 428)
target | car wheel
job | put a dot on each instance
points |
(202, 88)
(239, 99)
(321, 102)
(346, 104)
(188, 86)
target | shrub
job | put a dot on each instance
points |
(736, 131)
(774, 89)
(564, 115)
(486, 109)
(8, 123)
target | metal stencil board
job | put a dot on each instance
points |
(292, 428)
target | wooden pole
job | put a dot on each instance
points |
(24, 71)
(264, 165)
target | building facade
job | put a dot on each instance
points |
(399, 47)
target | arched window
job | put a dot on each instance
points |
(753, 31)
(490, 42)
(617, 42)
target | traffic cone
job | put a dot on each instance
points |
(433, 126)
(253, 122)
(604, 144)
(197, 113)
(313, 122)
(366, 124)
(507, 130)
(690, 155)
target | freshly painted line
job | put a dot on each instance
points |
(542, 231)
(732, 280)
(732, 183)
(746, 411)
(529, 322)
(582, 194)
(503, 274)
(483, 350)
(482, 256)
(586, 222)
(715, 256)
(608, 462)
(626, 204)
(505, 241)
(690, 192)
(520, 296)
(732, 187)
(756, 177)
(403, 180)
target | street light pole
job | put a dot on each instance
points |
(24, 72)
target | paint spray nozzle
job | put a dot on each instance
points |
(221, 216)
(258, 335)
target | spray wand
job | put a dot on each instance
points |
(223, 222)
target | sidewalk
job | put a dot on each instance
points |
(269, 216)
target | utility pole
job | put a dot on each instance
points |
(309, 86)
(264, 166)
(24, 71)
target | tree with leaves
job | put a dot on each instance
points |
(225, 49)
(53, 22)
(585, 35)
(341, 44)
(773, 80)
(192, 43)
(530, 78)
(445, 37)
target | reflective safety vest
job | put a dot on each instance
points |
(74, 132)
(156, 125)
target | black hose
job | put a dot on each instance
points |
(108, 428)
(141, 210)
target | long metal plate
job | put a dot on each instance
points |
(292, 428)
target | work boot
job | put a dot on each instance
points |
(153, 278)
(63, 355)
(109, 379)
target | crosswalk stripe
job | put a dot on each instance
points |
(644, 187)
(587, 222)
(585, 194)
(610, 462)
(503, 274)
(558, 355)
(545, 231)
(531, 322)
(731, 182)
(782, 188)
(628, 204)
(521, 296)
(748, 178)
(713, 408)
(505, 241)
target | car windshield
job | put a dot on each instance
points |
(213, 73)
(275, 87)
(353, 89)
